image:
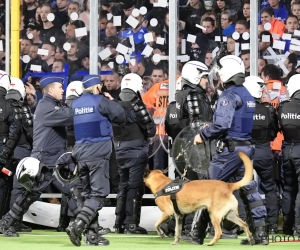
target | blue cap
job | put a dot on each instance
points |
(50, 79)
(91, 80)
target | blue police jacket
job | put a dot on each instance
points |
(50, 123)
(233, 116)
(90, 126)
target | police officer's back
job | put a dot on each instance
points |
(131, 147)
(289, 120)
(93, 114)
(265, 129)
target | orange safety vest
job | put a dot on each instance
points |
(277, 94)
(157, 97)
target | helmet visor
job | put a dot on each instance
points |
(26, 181)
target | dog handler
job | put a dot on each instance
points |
(232, 126)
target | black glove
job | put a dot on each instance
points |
(2, 162)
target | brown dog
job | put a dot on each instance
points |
(216, 196)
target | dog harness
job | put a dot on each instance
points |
(171, 189)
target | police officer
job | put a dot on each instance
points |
(289, 121)
(9, 136)
(93, 114)
(49, 142)
(16, 97)
(232, 126)
(73, 91)
(265, 129)
(131, 147)
(193, 108)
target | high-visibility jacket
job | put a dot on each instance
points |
(277, 94)
(157, 101)
(157, 97)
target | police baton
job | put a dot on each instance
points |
(6, 171)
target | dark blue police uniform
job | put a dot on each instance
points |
(232, 126)
(93, 115)
(49, 142)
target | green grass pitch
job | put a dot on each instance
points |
(50, 240)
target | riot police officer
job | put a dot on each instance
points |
(93, 114)
(232, 126)
(265, 128)
(131, 147)
(193, 108)
(49, 142)
(289, 121)
(9, 136)
(16, 97)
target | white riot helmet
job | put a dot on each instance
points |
(16, 87)
(293, 85)
(254, 85)
(4, 80)
(75, 88)
(132, 81)
(131, 87)
(28, 170)
(193, 71)
(229, 66)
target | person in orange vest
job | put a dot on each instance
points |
(271, 75)
(157, 101)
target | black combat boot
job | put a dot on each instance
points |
(297, 227)
(135, 229)
(287, 226)
(64, 219)
(198, 233)
(132, 224)
(103, 231)
(119, 225)
(92, 236)
(74, 231)
(20, 227)
(7, 230)
(168, 227)
(260, 236)
(272, 229)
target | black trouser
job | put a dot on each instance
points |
(291, 191)
(132, 163)
(264, 169)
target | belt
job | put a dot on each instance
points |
(238, 143)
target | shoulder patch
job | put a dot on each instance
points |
(224, 102)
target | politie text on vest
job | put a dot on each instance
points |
(290, 116)
(259, 117)
(84, 110)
